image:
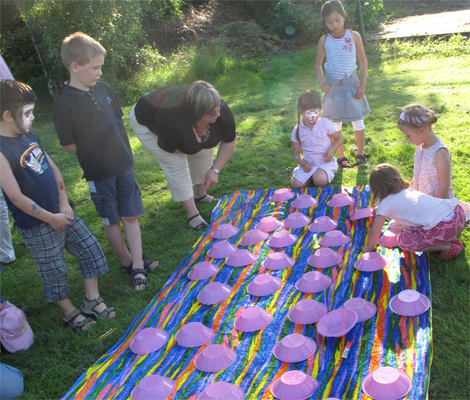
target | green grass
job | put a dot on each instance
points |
(262, 94)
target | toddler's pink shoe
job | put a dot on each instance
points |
(454, 250)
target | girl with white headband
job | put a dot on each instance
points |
(433, 160)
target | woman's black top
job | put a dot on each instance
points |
(162, 112)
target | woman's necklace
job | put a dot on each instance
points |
(203, 137)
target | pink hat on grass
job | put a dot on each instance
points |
(15, 332)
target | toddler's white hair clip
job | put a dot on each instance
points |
(413, 120)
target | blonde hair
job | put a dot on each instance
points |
(417, 116)
(200, 98)
(384, 180)
(80, 48)
(308, 99)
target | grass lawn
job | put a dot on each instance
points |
(262, 94)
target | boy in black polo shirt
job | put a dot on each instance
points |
(88, 121)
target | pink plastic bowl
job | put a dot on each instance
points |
(148, 340)
(341, 200)
(221, 250)
(215, 358)
(409, 303)
(333, 239)
(294, 385)
(221, 391)
(268, 224)
(337, 323)
(387, 383)
(307, 311)
(370, 262)
(322, 224)
(324, 258)
(264, 285)
(253, 319)
(225, 231)
(313, 282)
(364, 309)
(194, 334)
(240, 258)
(294, 348)
(296, 220)
(214, 293)
(252, 237)
(362, 213)
(282, 195)
(389, 238)
(153, 387)
(277, 261)
(282, 239)
(203, 270)
(304, 201)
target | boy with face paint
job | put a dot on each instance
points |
(35, 193)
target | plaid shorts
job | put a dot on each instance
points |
(47, 247)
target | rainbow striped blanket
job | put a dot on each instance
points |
(384, 340)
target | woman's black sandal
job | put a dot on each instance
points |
(147, 264)
(361, 159)
(201, 227)
(139, 281)
(342, 160)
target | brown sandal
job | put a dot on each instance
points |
(69, 321)
(88, 308)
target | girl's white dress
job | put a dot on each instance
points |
(314, 144)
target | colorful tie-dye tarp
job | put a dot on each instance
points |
(385, 340)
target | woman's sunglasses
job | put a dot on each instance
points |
(215, 113)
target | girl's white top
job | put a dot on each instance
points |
(416, 209)
(340, 56)
(316, 141)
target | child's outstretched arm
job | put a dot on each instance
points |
(444, 164)
(318, 65)
(374, 234)
(337, 138)
(298, 157)
(361, 55)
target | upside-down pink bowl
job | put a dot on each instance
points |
(252, 237)
(221, 249)
(322, 224)
(225, 231)
(277, 261)
(214, 293)
(268, 224)
(363, 308)
(282, 195)
(194, 334)
(306, 311)
(215, 358)
(334, 239)
(282, 239)
(362, 213)
(304, 201)
(148, 340)
(253, 319)
(221, 391)
(387, 383)
(389, 238)
(409, 303)
(264, 285)
(337, 323)
(153, 387)
(313, 282)
(203, 270)
(296, 220)
(370, 262)
(294, 348)
(341, 200)
(294, 385)
(324, 258)
(240, 258)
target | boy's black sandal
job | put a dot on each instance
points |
(88, 308)
(139, 281)
(147, 264)
(68, 321)
(199, 199)
(342, 160)
(201, 227)
(361, 159)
